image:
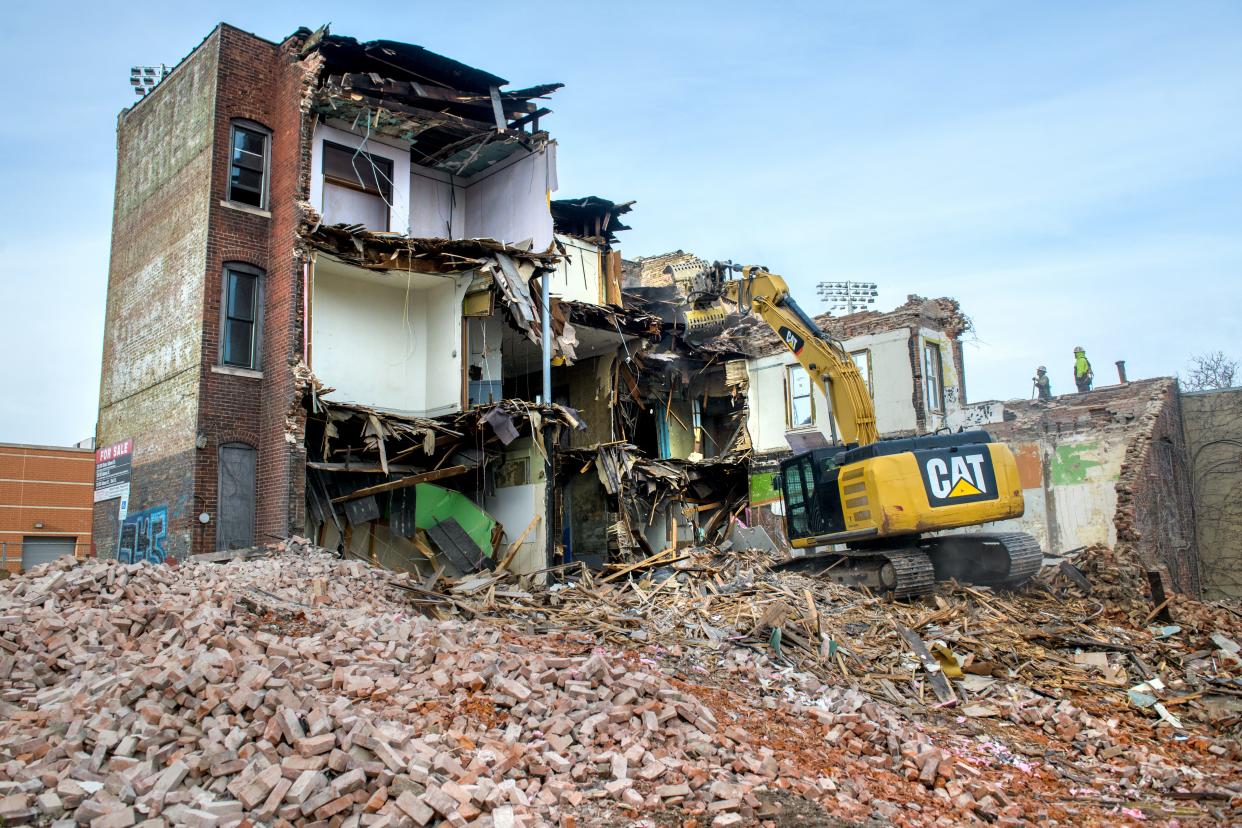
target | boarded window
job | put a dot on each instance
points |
(235, 528)
(357, 187)
(933, 377)
(239, 340)
(801, 408)
(248, 167)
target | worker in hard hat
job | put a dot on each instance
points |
(1043, 385)
(1082, 370)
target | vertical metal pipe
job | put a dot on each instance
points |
(547, 337)
(546, 294)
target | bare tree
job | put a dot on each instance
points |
(1209, 371)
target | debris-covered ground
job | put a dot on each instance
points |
(296, 688)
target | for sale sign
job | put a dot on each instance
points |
(112, 468)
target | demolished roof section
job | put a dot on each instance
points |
(455, 116)
(591, 218)
(748, 334)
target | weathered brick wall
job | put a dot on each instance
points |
(261, 82)
(229, 404)
(283, 454)
(1213, 427)
(1155, 512)
(153, 328)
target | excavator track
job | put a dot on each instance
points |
(903, 573)
(915, 573)
(995, 559)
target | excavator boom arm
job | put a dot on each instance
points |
(825, 361)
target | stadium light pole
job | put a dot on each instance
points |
(848, 296)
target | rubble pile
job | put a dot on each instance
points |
(1087, 674)
(297, 688)
(1047, 648)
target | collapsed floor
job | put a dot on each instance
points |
(297, 688)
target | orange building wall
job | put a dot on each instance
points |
(48, 485)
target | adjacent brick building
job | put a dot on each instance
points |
(45, 503)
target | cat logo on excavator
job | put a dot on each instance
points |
(792, 340)
(952, 476)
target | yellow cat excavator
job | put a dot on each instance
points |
(881, 499)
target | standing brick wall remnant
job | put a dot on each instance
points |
(173, 233)
(1212, 423)
(153, 331)
(1155, 511)
(1108, 467)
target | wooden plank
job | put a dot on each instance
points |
(498, 109)
(517, 544)
(935, 676)
(360, 468)
(648, 561)
(412, 480)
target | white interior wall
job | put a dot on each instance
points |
(892, 378)
(514, 506)
(510, 202)
(578, 275)
(397, 151)
(766, 403)
(437, 204)
(388, 340)
(892, 385)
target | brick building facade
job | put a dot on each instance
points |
(174, 231)
(45, 503)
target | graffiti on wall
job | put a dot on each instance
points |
(143, 535)
(979, 414)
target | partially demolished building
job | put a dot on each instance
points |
(324, 315)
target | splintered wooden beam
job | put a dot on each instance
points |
(935, 675)
(412, 480)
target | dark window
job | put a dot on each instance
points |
(239, 343)
(359, 170)
(248, 167)
(357, 187)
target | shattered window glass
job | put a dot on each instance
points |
(801, 410)
(248, 167)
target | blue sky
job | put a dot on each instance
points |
(1071, 172)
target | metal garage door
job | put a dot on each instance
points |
(41, 550)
